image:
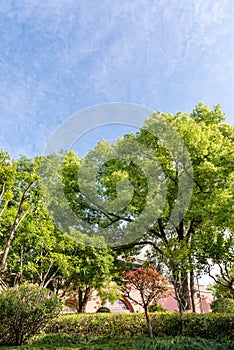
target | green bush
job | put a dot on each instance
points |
(133, 325)
(100, 324)
(103, 309)
(208, 326)
(223, 305)
(156, 308)
(25, 311)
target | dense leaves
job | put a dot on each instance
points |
(121, 193)
(25, 311)
(208, 326)
(149, 285)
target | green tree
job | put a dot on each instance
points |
(135, 192)
(18, 195)
(40, 253)
(223, 291)
(92, 268)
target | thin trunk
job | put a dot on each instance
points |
(7, 247)
(16, 224)
(192, 291)
(3, 285)
(149, 326)
(184, 295)
(18, 219)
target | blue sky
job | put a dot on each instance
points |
(58, 57)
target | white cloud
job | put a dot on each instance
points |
(58, 57)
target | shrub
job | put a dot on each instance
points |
(156, 308)
(223, 305)
(208, 325)
(103, 309)
(25, 311)
(100, 324)
(133, 325)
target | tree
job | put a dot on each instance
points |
(40, 253)
(223, 292)
(74, 264)
(92, 268)
(218, 258)
(160, 187)
(210, 145)
(149, 284)
(18, 195)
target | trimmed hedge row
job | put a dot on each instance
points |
(209, 326)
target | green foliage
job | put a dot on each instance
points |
(156, 308)
(39, 254)
(19, 195)
(133, 325)
(103, 309)
(221, 291)
(223, 305)
(184, 343)
(25, 311)
(117, 178)
(65, 341)
(224, 282)
(101, 324)
(91, 268)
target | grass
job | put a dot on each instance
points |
(64, 341)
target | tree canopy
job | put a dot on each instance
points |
(170, 185)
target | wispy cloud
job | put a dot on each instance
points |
(58, 57)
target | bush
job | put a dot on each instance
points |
(25, 311)
(103, 309)
(223, 305)
(156, 308)
(100, 324)
(208, 326)
(133, 325)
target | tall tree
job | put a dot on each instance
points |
(137, 191)
(18, 195)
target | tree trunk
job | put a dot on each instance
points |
(149, 326)
(3, 285)
(192, 291)
(7, 248)
(18, 219)
(83, 298)
(185, 291)
(181, 288)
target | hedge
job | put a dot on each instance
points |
(209, 326)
